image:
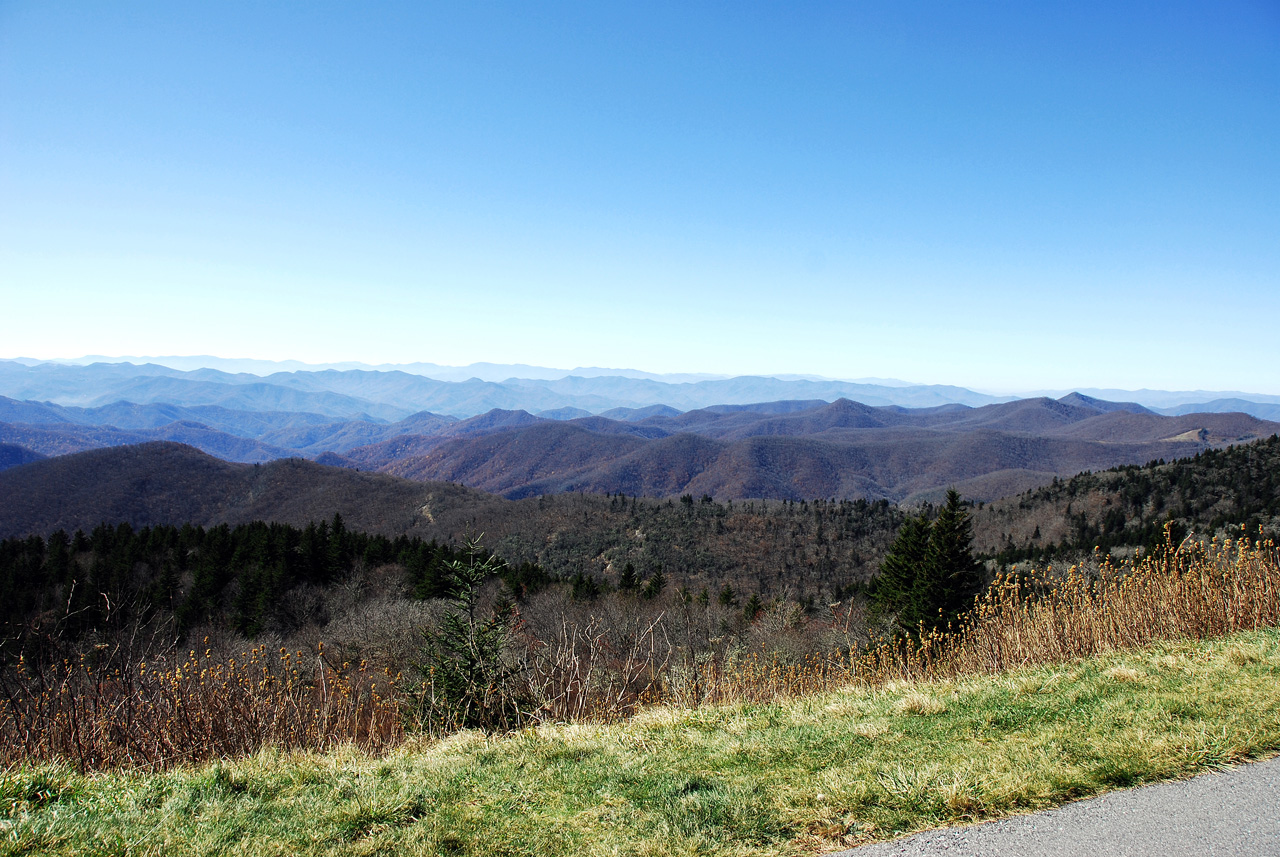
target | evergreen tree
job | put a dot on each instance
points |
(930, 576)
(467, 680)
(656, 584)
(892, 590)
(949, 577)
(955, 575)
(335, 549)
(584, 587)
(727, 597)
(628, 581)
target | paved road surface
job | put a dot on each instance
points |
(1229, 814)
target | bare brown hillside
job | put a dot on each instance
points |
(843, 450)
(160, 482)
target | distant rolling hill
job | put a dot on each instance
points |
(254, 435)
(105, 384)
(130, 415)
(161, 482)
(1262, 410)
(12, 455)
(839, 450)
(63, 439)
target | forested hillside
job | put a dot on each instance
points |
(1213, 491)
(809, 549)
(251, 578)
(12, 455)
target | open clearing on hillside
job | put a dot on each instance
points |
(802, 776)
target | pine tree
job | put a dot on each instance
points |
(950, 576)
(656, 584)
(467, 681)
(584, 587)
(628, 581)
(335, 549)
(892, 590)
(727, 597)
(930, 576)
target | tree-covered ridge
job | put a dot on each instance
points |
(233, 577)
(1214, 490)
(808, 550)
(270, 578)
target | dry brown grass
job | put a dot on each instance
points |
(159, 714)
(919, 704)
(1194, 590)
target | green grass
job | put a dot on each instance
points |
(803, 776)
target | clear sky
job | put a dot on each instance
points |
(1006, 196)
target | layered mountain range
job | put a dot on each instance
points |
(822, 444)
(387, 394)
(805, 450)
(392, 395)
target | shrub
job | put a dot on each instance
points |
(468, 676)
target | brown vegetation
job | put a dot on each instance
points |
(1192, 590)
(608, 659)
(108, 708)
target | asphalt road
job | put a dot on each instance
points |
(1225, 814)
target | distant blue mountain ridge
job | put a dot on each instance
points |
(388, 394)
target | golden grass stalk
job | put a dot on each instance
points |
(160, 714)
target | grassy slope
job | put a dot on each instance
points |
(802, 776)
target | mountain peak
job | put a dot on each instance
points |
(1080, 400)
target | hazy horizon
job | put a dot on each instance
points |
(257, 366)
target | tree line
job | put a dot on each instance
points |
(230, 576)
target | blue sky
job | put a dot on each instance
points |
(1005, 196)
